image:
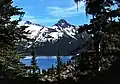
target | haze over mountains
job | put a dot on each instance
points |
(62, 37)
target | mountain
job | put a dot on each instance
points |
(63, 24)
(62, 37)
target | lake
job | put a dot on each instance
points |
(44, 62)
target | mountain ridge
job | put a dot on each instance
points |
(61, 37)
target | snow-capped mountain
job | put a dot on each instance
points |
(62, 37)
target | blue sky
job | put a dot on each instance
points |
(48, 12)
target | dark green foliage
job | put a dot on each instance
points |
(33, 62)
(104, 25)
(10, 36)
(59, 63)
(44, 72)
(52, 67)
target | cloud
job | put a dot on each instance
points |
(66, 11)
(25, 18)
(30, 18)
(56, 12)
(47, 20)
(39, 20)
(35, 19)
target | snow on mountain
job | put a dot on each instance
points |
(33, 30)
(43, 34)
(65, 27)
(62, 33)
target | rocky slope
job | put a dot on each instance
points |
(62, 37)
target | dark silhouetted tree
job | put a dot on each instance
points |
(59, 64)
(10, 37)
(104, 25)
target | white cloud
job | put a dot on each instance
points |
(67, 11)
(39, 20)
(28, 17)
(25, 18)
(57, 12)
(47, 20)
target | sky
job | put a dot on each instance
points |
(48, 12)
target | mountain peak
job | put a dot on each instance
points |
(31, 23)
(63, 23)
(28, 22)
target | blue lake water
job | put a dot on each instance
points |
(44, 62)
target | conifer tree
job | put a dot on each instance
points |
(10, 36)
(44, 71)
(33, 62)
(59, 63)
(104, 25)
(52, 67)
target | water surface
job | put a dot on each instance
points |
(44, 62)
